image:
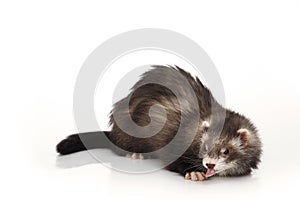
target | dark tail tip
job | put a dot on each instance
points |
(91, 140)
(70, 145)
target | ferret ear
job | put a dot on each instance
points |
(244, 135)
(205, 125)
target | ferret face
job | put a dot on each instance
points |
(220, 155)
(230, 153)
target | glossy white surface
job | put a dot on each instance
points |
(255, 46)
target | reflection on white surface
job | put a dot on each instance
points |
(108, 159)
(263, 183)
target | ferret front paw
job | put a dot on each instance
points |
(195, 176)
(135, 156)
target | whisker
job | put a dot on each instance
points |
(192, 167)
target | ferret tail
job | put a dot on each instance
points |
(82, 142)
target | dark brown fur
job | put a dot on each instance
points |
(146, 93)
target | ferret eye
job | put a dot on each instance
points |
(226, 151)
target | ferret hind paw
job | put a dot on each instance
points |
(135, 156)
(195, 176)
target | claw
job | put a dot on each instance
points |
(195, 176)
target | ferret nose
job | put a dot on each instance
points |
(210, 166)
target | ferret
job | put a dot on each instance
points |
(218, 141)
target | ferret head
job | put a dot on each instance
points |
(236, 151)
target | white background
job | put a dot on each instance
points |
(255, 46)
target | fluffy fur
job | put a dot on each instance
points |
(238, 135)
